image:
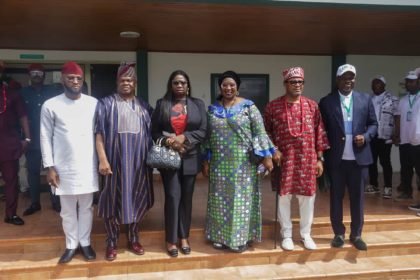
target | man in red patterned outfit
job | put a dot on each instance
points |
(295, 126)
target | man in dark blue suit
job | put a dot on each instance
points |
(350, 121)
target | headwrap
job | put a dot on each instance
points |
(36, 67)
(72, 67)
(293, 72)
(232, 75)
(127, 69)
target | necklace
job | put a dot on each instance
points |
(288, 119)
(4, 99)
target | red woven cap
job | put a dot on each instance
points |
(35, 66)
(293, 72)
(72, 67)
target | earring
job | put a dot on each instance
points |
(237, 93)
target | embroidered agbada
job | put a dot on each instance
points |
(234, 201)
(127, 194)
(298, 142)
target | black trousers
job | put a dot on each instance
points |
(382, 151)
(33, 163)
(409, 160)
(349, 174)
(179, 189)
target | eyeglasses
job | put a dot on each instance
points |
(74, 78)
(182, 83)
(35, 73)
(294, 82)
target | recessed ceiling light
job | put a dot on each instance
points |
(129, 34)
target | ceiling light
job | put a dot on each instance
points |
(129, 34)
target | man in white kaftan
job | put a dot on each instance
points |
(68, 151)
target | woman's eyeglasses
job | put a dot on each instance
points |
(182, 83)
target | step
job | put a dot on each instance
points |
(44, 262)
(33, 244)
(374, 268)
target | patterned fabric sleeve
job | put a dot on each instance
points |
(205, 145)
(321, 140)
(100, 118)
(261, 143)
(268, 121)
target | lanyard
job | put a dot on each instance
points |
(348, 109)
(411, 102)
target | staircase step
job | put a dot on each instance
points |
(375, 268)
(381, 244)
(25, 244)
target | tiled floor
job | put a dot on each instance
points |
(48, 223)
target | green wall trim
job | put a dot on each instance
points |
(336, 61)
(142, 75)
(300, 4)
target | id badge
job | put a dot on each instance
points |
(409, 116)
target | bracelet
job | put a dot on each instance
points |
(28, 140)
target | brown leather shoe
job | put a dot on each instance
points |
(111, 253)
(136, 248)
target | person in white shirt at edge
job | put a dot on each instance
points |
(407, 129)
(386, 106)
(68, 152)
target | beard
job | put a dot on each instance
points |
(72, 91)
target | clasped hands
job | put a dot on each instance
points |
(177, 143)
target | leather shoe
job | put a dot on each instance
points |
(239, 249)
(111, 253)
(88, 253)
(136, 248)
(67, 256)
(32, 209)
(186, 250)
(14, 220)
(358, 243)
(173, 253)
(338, 241)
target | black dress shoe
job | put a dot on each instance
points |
(239, 249)
(14, 220)
(173, 253)
(32, 209)
(88, 253)
(67, 256)
(186, 250)
(358, 243)
(338, 241)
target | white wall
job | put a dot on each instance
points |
(200, 66)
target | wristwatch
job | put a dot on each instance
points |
(28, 140)
(321, 158)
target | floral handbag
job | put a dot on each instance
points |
(162, 157)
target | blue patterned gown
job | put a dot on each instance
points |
(234, 201)
(127, 194)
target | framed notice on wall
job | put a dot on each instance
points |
(254, 87)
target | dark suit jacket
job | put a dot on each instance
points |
(195, 132)
(364, 123)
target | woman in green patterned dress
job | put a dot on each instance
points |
(236, 144)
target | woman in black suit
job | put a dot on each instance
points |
(181, 120)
